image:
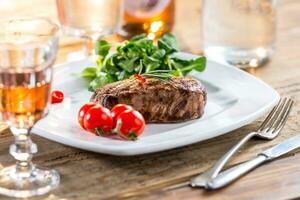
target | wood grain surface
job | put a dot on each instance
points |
(89, 176)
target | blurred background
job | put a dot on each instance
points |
(187, 26)
(184, 10)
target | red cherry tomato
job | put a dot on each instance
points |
(130, 124)
(82, 112)
(98, 119)
(57, 96)
(118, 109)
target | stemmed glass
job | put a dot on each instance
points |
(90, 20)
(28, 49)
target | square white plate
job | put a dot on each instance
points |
(235, 98)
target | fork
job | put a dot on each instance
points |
(268, 130)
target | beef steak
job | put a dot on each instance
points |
(176, 100)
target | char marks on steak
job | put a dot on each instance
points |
(176, 100)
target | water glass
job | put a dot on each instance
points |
(89, 19)
(239, 32)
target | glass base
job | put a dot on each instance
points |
(23, 184)
(239, 57)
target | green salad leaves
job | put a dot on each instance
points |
(139, 55)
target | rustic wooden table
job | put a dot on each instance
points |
(89, 176)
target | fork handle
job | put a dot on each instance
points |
(214, 171)
(233, 173)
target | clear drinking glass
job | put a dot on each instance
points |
(239, 32)
(27, 52)
(89, 19)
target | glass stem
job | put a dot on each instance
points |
(22, 150)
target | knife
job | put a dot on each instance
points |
(235, 172)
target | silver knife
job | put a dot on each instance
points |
(235, 172)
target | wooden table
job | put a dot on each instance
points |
(89, 176)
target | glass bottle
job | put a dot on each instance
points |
(153, 17)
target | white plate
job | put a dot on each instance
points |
(235, 98)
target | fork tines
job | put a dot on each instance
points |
(277, 117)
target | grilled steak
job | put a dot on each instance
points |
(177, 100)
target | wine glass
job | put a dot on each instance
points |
(28, 49)
(89, 19)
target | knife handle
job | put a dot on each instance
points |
(202, 179)
(233, 173)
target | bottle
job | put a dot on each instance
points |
(153, 17)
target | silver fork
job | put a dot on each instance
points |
(268, 130)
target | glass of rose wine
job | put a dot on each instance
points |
(28, 49)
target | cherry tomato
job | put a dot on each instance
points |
(82, 112)
(118, 109)
(130, 124)
(98, 119)
(57, 96)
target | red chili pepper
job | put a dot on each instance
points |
(139, 78)
(57, 96)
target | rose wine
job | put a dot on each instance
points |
(28, 48)
(24, 95)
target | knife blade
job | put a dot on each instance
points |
(237, 171)
(283, 148)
